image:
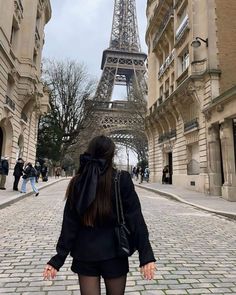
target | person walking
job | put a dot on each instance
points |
(18, 172)
(38, 170)
(141, 171)
(4, 169)
(138, 172)
(57, 172)
(90, 221)
(29, 175)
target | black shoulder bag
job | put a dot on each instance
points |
(123, 235)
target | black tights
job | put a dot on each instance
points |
(91, 285)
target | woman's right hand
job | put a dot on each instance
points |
(148, 270)
(49, 272)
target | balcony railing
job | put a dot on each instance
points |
(191, 125)
(182, 28)
(166, 63)
(167, 136)
(164, 23)
(24, 117)
(10, 103)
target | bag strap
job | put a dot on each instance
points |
(119, 206)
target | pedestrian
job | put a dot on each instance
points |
(90, 220)
(134, 171)
(146, 174)
(57, 172)
(4, 169)
(38, 170)
(18, 172)
(29, 175)
(137, 172)
(44, 172)
(165, 173)
(141, 174)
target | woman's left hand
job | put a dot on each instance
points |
(148, 270)
(49, 272)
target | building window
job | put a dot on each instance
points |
(167, 86)
(9, 94)
(160, 99)
(14, 34)
(184, 61)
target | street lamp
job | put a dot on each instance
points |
(197, 43)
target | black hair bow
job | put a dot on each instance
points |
(90, 170)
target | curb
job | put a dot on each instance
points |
(23, 196)
(181, 200)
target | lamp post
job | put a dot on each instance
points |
(197, 42)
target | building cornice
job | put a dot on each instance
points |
(221, 99)
(186, 87)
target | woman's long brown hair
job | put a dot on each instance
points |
(100, 147)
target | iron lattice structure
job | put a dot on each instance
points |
(123, 64)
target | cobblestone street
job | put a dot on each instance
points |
(195, 250)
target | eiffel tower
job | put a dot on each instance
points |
(123, 64)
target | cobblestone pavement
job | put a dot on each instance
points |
(195, 251)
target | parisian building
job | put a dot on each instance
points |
(22, 95)
(191, 118)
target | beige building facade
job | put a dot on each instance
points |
(191, 119)
(22, 96)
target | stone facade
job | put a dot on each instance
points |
(191, 119)
(22, 96)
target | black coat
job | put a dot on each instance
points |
(4, 167)
(18, 169)
(30, 171)
(98, 243)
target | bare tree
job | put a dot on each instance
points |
(70, 85)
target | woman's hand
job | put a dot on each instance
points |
(49, 272)
(148, 270)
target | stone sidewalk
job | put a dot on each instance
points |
(214, 204)
(8, 196)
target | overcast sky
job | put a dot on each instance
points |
(80, 30)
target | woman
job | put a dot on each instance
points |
(29, 175)
(18, 172)
(88, 228)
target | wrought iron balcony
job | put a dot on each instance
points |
(24, 117)
(166, 63)
(191, 125)
(163, 25)
(10, 103)
(183, 27)
(167, 136)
